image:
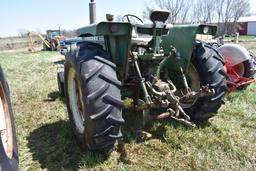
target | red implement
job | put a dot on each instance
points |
(235, 79)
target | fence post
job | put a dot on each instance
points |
(237, 38)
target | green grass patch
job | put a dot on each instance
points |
(241, 38)
(45, 140)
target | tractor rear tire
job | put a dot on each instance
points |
(8, 143)
(210, 67)
(93, 98)
(60, 80)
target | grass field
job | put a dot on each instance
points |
(242, 38)
(226, 142)
(15, 43)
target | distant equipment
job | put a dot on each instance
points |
(50, 43)
(53, 37)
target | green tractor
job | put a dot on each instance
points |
(160, 69)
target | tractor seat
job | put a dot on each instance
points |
(158, 18)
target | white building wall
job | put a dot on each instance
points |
(251, 28)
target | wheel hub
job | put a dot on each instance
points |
(194, 85)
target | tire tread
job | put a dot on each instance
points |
(211, 69)
(101, 98)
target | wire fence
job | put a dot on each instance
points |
(17, 43)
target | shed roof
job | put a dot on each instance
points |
(247, 19)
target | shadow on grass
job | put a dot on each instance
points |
(54, 96)
(133, 123)
(203, 125)
(157, 128)
(55, 148)
(60, 62)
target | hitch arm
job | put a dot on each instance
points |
(142, 80)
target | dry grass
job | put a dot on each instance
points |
(226, 142)
(18, 43)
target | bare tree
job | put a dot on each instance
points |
(179, 9)
(184, 13)
(224, 12)
(119, 18)
(240, 8)
(229, 12)
(68, 33)
(22, 32)
(204, 11)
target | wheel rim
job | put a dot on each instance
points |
(194, 85)
(239, 69)
(59, 84)
(75, 101)
(5, 124)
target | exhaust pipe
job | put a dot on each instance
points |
(92, 11)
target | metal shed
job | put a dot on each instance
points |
(247, 25)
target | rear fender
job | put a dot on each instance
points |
(234, 54)
(117, 41)
(183, 38)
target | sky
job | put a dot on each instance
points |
(40, 15)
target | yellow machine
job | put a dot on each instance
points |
(51, 42)
(32, 43)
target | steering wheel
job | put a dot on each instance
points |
(128, 17)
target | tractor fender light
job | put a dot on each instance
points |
(206, 30)
(113, 28)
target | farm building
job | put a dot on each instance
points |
(247, 25)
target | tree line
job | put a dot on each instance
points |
(225, 13)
